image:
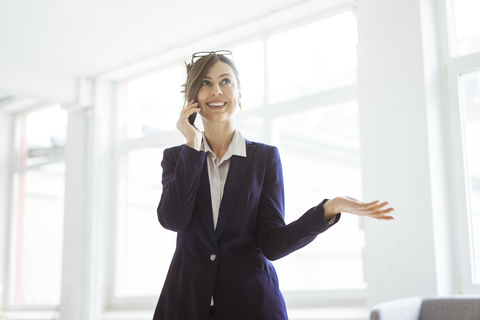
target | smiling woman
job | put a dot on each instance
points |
(200, 77)
(224, 196)
(219, 94)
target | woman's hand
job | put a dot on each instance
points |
(374, 209)
(191, 133)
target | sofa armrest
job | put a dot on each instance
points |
(464, 307)
(403, 309)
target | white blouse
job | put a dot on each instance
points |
(218, 169)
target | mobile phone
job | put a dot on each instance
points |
(191, 118)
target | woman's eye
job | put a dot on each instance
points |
(205, 83)
(226, 81)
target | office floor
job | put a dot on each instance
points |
(329, 313)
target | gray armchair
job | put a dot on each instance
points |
(458, 307)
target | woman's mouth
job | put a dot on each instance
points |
(216, 105)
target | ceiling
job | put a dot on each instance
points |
(46, 46)
(74, 37)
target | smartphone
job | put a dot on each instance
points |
(192, 118)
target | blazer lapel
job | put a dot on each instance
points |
(204, 202)
(236, 175)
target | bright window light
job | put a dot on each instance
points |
(252, 128)
(320, 150)
(37, 236)
(144, 248)
(43, 135)
(38, 208)
(153, 103)
(465, 26)
(318, 57)
(249, 60)
(470, 97)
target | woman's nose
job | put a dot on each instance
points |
(216, 90)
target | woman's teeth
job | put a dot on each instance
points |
(216, 104)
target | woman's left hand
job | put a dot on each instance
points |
(374, 209)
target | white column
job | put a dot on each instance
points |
(75, 237)
(402, 151)
(103, 194)
(433, 28)
(77, 271)
(89, 212)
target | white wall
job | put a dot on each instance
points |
(401, 122)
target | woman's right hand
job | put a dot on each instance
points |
(191, 133)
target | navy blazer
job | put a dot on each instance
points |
(231, 262)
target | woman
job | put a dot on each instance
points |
(223, 195)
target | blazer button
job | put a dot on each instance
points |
(213, 257)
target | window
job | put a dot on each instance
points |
(470, 99)
(37, 224)
(144, 248)
(249, 60)
(312, 58)
(322, 135)
(152, 103)
(465, 29)
(463, 78)
(320, 150)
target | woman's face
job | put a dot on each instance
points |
(219, 95)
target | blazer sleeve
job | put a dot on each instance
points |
(276, 239)
(180, 180)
